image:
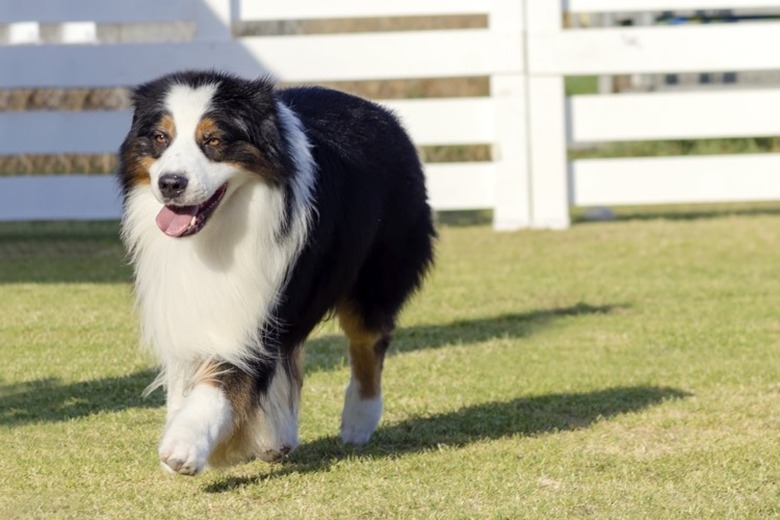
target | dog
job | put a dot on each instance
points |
(250, 214)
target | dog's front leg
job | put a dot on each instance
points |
(205, 418)
(177, 380)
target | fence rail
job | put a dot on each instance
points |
(524, 50)
(98, 11)
(733, 47)
(585, 6)
(680, 115)
(437, 54)
(316, 9)
(674, 180)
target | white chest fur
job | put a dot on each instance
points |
(205, 296)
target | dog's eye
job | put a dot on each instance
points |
(213, 141)
(160, 138)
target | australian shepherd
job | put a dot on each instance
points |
(250, 214)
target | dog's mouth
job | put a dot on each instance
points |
(183, 221)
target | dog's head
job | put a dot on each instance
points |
(196, 137)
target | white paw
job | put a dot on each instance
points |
(360, 416)
(205, 418)
(182, 452)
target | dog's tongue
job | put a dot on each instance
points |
(175, 221)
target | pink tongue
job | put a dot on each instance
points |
(174, 222)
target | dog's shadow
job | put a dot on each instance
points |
(51, 400)
(328, 352)
(523, 417)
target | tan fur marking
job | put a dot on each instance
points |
(241, 446)
(168, 126)
(241, 155)
(233, 450)
(208, 374)
(237, 388)
(297, 368)
(206, 127)
(139, 170)
(140, 164)
(365, 361)
(238, 391)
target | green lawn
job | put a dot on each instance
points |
(628, 369)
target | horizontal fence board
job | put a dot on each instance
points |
(116, 65)
(100, 11)
(468, 52)
(461, 186)
(681, 115)
(673, 180)
(595, 6)
(447, 121)
(317, 9)
(90, 132)
(455, 121)
(59, 197)
(690, 48)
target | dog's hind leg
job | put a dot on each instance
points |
(363, 398)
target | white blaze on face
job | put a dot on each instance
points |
(187, 106)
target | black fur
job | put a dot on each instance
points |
(371, 241)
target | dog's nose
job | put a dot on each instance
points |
(172, 185)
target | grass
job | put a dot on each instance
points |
(614, 370)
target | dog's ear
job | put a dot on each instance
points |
(267, 133)
(148, 94)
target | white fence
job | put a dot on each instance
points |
(524, 50)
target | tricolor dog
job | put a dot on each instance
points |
(250, 214)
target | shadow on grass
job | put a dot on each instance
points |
(463, 218)
(525, 417)
(48, 400)
(328, 352)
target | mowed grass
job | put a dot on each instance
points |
(628, 369)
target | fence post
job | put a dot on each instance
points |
(24, 33)
(547, 126)
(510, 155)
(78, 32)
